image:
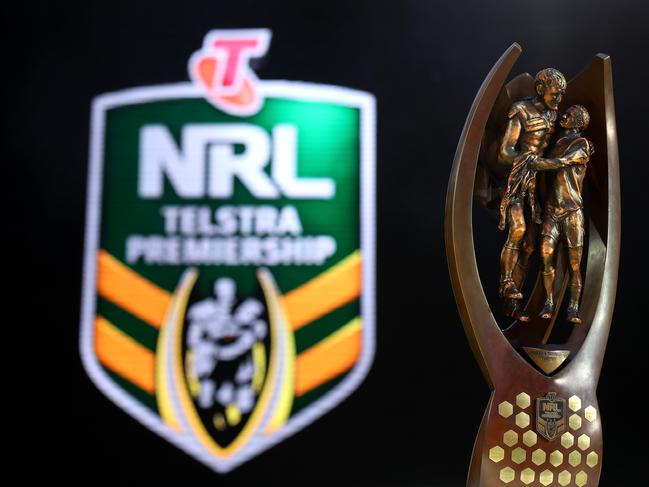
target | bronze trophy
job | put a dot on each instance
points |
(528, 150)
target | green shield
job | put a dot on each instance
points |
(229, 272)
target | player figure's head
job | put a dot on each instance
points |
(550, 87)
(576, 117)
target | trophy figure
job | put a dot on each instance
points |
(528, 149)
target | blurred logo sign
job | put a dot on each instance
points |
(228, 289)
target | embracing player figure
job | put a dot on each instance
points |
(530, 125)
(563, 218)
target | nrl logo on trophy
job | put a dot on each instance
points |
(228, 288)
(550, 411)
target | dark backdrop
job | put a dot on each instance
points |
(413, 420)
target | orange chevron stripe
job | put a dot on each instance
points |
(130, 291)
(325, 292)
(121, 354)
(329, 358)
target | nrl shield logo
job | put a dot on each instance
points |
(228, 288)
(550, 416)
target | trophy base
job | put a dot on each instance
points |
(547, 435)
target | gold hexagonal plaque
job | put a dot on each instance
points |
(581, 478)
(592, 459)
(519, 455)
(556, 458)
(505, 409)
(528, 476)
(522, 420)
(496, 454)
(574, 422)
(567, 440)
(538, 457)
(523, 400)
(583, 442)
(574, 458)
(590, 413)
(507, 475)
(510, 438)
(529, 438)
(564, 478)
(546, 477)
(574, 403)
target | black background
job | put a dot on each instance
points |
(413, 420)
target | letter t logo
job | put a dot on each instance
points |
(222, 68)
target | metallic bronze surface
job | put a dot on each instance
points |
(508, 449)
(547, 360)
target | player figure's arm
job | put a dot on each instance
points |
(507, 150)
(576, 154)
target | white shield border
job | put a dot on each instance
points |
(279, 88)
